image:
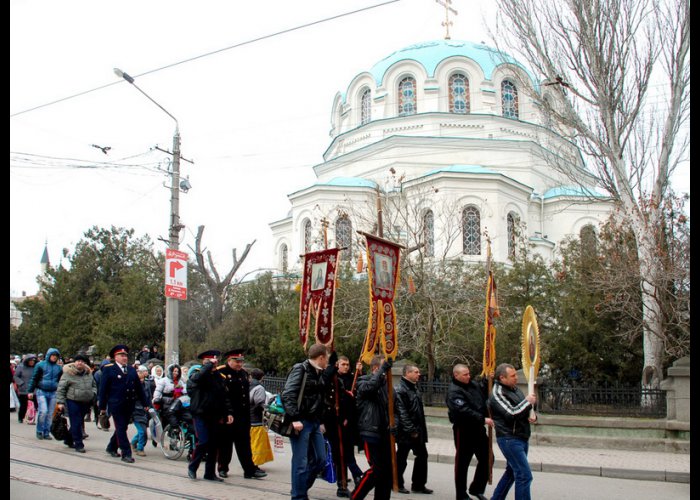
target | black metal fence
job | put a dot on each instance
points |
(559, 398)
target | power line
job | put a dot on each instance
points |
(207, 54)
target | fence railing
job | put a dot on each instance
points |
(559, 399)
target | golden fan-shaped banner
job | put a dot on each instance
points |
(530, 344)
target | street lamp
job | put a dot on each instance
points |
(172, 306)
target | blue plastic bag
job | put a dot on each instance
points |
(328, 473)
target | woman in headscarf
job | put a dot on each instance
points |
(168, 389)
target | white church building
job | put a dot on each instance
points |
(442, 129)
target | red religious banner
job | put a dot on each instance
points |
(318, 295)
(492, 311)
(383, 273)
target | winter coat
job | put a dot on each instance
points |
(140, 416)
(207, 392)
(312, 405)
(466, 405)
(373, 406)
(23, 373)
(167, 390)
(46, 373)
(76, 385)
(409, 408)
(510, 411)
(258, 398)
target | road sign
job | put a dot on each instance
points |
(175, 274)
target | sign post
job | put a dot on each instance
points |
(175, 274)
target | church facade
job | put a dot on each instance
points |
(442, 139)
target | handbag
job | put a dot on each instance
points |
(282, 423)
(59, 426)
(30, 417)
(103, 421)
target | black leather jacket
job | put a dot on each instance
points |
(466, 405)
(510, 411)
(373, 406)
(312, 403)
(409, 408)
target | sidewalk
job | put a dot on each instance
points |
(621, 464)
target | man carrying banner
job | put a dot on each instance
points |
(466, 406)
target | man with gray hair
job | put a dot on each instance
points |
(412, 431)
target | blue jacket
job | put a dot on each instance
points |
(46, 373)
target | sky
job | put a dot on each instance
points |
(251, 85)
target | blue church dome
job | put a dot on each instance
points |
(430, 54)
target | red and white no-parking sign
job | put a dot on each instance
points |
(175, 274)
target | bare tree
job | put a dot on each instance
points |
(602, 62)
(219, 288)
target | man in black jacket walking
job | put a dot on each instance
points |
(466, 406)
(209, 407)
(303, 401)
(412, 431)
(373, 424)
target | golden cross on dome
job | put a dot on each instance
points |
(447, 23)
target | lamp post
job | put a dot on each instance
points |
(172, 306)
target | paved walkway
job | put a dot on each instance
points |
(656, 466)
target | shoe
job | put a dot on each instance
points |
(140, 453)
(85, 436)
(343, 492)
(424, 490)
(47, 437)
(128, 460)
(80, 450)
(255, 475)
(40, 436)
(357, 479)
(479, 496)
(191, 474)
(20, 420)
(261, 470)
(214, 478)
(404, 491)
(113, 453)
(223, 473)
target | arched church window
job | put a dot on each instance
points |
(471, 231)
(307, 236)
(407, 96)
(429, 233)
(459, 94)
(512, 220)
(284, 258)
(509, 99)
(343, 236)
(366, 107)
(589, 242)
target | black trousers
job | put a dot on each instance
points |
(348, 461)
(206, 431)
(467, 444)
(119, 439)
(237, 434)
(420, 464)
(379, 475)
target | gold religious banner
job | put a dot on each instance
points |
(318, 295)
(531, 349)
(383, 276)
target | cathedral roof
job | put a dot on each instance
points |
(45, 256)
(431, 54)
(348, 182)
(462, 169)
(578, 191)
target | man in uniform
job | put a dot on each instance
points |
(210, 408)
(238, 433)
(120, 387)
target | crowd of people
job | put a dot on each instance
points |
(329, 407)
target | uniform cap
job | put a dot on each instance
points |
(212, 353)
(235, 354)
(118, 349)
